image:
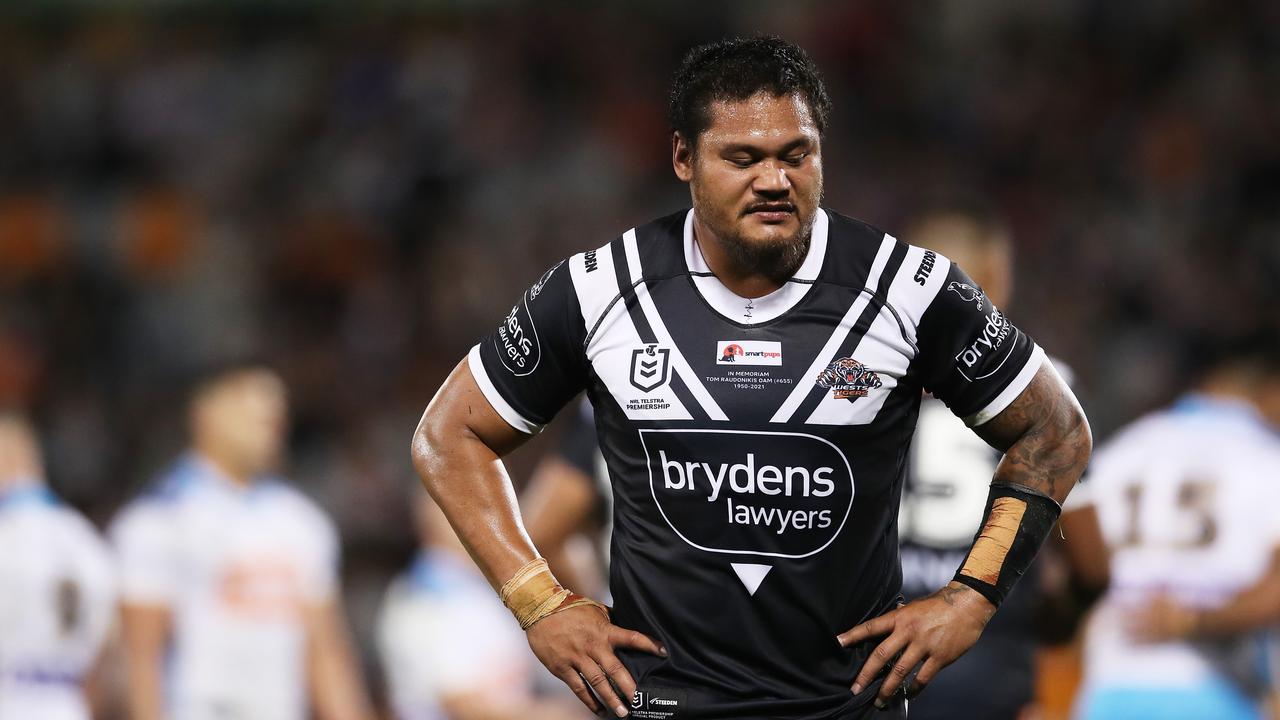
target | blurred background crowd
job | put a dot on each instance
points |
(357, 195)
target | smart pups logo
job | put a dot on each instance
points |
(749, 352)
(749, 492)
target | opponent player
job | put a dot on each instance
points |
(942, 505)
(228, 575)
(756, 365)
(448, 646)
(56, 589)
(1187, 498)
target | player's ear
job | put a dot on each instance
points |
(682, 157)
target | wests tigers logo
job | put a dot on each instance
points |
(848, 379)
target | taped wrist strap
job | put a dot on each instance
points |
(1015, 524)
(533, 593)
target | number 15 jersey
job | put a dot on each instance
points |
(756, 447)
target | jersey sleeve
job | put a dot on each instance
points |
(142, 538)
(971, 356)
(534, 361)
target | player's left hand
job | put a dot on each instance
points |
(934, 630)
(1162, 620)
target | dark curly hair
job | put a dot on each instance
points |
(736, 69)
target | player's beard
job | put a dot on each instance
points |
(777, 260)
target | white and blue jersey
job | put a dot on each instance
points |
(56, 605)
(1187, 500)
(443, 631)
(236, 565)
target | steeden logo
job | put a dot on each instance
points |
(749, 352)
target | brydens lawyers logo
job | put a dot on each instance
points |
(848, 379)
(748, 352)
(650, 367)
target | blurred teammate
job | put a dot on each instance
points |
(942, 502)
(448, 645)
(1188, 500)
(56, 589)
(228, 575)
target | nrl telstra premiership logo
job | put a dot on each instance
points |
(650, 367)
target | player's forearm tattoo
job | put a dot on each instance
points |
(1045, 438)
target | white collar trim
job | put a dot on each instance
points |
(752, 311)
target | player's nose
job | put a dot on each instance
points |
(771, 180)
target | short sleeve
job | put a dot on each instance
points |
(534, 361)
(142, 538)
(971, 356)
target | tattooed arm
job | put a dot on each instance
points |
(1044, 436)
(1046, 441)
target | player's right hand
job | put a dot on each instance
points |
(577, 646)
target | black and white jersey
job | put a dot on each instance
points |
(757, 447)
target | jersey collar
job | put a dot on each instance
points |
(753, 311)
(27, 491)
(1223, 408)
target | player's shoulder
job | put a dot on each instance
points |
(859, 253)
(41, 506)
(77, 527)
(296, 507)
(156, 506)
(651, 250)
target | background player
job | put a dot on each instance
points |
(1187, 498)
(942, 502)
(57, 599)
(448, 645)
(228, 575)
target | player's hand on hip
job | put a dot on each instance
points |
(577, 646)
(930, 632)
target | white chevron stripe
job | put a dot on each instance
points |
(805, 382)
(650, 311)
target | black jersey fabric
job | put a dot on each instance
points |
(757, 448)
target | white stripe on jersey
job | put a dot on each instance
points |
(596, 288)
(801, 390)
(678, 362)
(499, 403)
(1011, 392)
(889, 345)
(609, 346)
(882, 348)
(911, 298)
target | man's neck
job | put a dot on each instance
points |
(739, 280)
(226, 469)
